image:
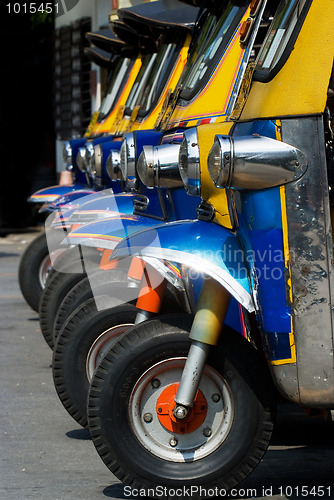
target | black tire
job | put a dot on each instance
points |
(82, 291)
(74, 342)
(68, 272)
(56, 288)
(32, 261)
(126, 444)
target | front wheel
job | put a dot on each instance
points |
(81, 344)
(34, 267)
(131, 405)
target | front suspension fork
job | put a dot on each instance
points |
(205, 331)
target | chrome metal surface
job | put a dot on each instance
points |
(189, 163)
(43, 271)
(98, 157)
(81, 159)
(142, 316)
(205, 211)
(113, 165)
(257, 162)
(173, 446)
(180, 412)
(89, 158)
(128, 161)
(311, 380)
(158, 166)
(67, 154)
(192, 373)
(101, 346)
(145, 166)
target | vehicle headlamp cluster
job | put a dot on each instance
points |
(97, 160)
(189, 162)
(158, 166)
(246, 162)
(67, 154)
(90, 158)
(113, 165)
(81, 159)
(127, 161)
(254, 162)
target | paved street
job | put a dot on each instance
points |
(45, 455)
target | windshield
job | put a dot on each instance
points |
(114, 87)
(140, 82)
(155, 83)
(212, 41)
(288, 14)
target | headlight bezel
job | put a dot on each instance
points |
(81, 159)
(189, 162)
(113, 165)
(89, 159)
(128, 161)
(98, 160)
(67, 155)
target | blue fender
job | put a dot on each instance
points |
(105, 207)
(107, 233)
(51, 193)
(206, 247)
(68, 200)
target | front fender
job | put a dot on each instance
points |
(107, 233)
(67, 200)
(50, 194)
(206, 247)
(101, 205)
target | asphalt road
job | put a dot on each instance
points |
(45, 455)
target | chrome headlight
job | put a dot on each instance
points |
(158, 166)
(98, 158)
(128, 161)
(254, 162)
(67, 154)
(189, 163)
(81, 157)
(89, 158)
(113, 165)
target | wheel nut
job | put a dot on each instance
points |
(180, 412)
(155, 383)
(173, 442)
(215, 398)
(207, 432)
(148, 417)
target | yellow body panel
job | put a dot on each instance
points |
(128, 124)
(149, 121)
(109, 124)
(213, 100)
(299, 88)
(216, 197)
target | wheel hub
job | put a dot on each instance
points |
(165, 411)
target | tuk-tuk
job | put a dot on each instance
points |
(216, 45)
(187, 404)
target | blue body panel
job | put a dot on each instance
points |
(261, 234)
